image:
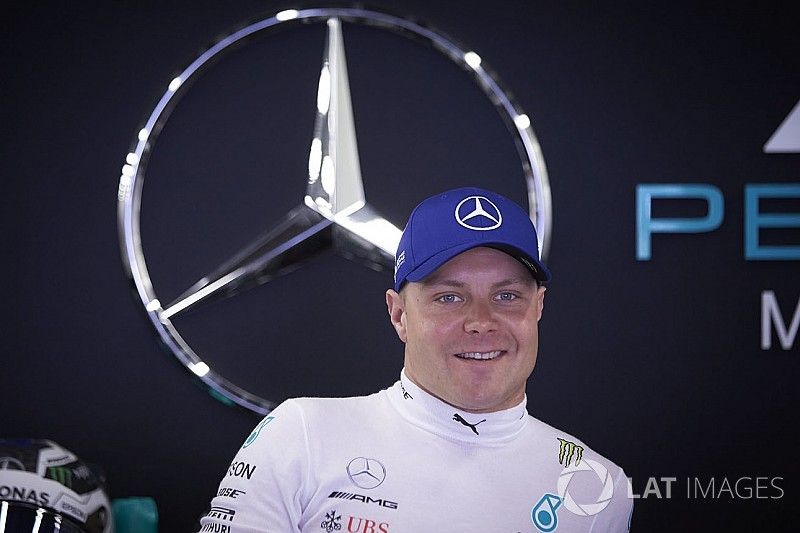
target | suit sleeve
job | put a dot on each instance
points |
(616, 517)
(265, 487)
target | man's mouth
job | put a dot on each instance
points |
(480, 355)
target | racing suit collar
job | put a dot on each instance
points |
(432, 414)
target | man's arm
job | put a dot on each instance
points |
(265, 486)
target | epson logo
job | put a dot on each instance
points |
(363, 499)
(241, 469)
(24, 495)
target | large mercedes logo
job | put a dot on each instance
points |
(334, 212)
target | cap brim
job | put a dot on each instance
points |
(425, 269)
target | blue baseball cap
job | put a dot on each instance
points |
(458, 220)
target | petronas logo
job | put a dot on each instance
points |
(567, 450)
(60, 474)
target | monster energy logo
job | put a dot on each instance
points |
(566, 450)
(60, 474)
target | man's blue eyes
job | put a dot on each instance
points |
(453, 298)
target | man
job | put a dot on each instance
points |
(450, 446)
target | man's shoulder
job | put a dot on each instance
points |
(334, 409)
(305, 419)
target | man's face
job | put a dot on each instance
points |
(471, 329)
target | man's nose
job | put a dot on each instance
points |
(480, 318)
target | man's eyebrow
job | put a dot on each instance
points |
(433, 281)
(514, 281)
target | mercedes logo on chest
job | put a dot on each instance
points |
(334, 213)
(366, 473)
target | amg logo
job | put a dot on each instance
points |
(223, 513)
(566, 450)
(364, 499)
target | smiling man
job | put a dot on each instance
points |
(471, 329)
(449, 447)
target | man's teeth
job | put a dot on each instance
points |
(479, 355)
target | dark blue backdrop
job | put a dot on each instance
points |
(655, 364)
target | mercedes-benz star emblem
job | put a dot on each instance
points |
(366, 473)
(334, 212)
(10, 463)
(477, 217)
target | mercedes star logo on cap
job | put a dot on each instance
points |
(478, 218)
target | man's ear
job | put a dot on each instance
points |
(397, 312)
(540, 301)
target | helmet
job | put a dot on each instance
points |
(41, 482)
